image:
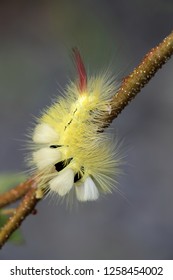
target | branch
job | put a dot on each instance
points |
(8, 211)
(23, 210)
(15, 193)
(141, 75)
(129, 88)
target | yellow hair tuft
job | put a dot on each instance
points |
(70, 151)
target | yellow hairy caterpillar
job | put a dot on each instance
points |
(70, 152)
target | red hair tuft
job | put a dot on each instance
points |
(81, 70)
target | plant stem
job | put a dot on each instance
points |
(26, 206)
(141, 75)
(15, 193)
(8, 211)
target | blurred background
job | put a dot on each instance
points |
(36, 38)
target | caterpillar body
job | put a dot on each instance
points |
(70, 153)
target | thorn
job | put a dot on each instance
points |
(34, 212)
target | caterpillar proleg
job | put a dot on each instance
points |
(70, 152)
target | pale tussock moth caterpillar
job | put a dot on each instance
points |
(69, 151)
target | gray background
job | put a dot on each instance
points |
(36, 38)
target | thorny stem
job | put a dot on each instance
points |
(129, 88)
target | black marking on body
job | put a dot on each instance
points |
(82, 169)
(55, 146)
(70, 120)
(68, 124)
(75, 111)
(62, 164)
(79, 175)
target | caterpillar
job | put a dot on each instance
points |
(70, 153)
